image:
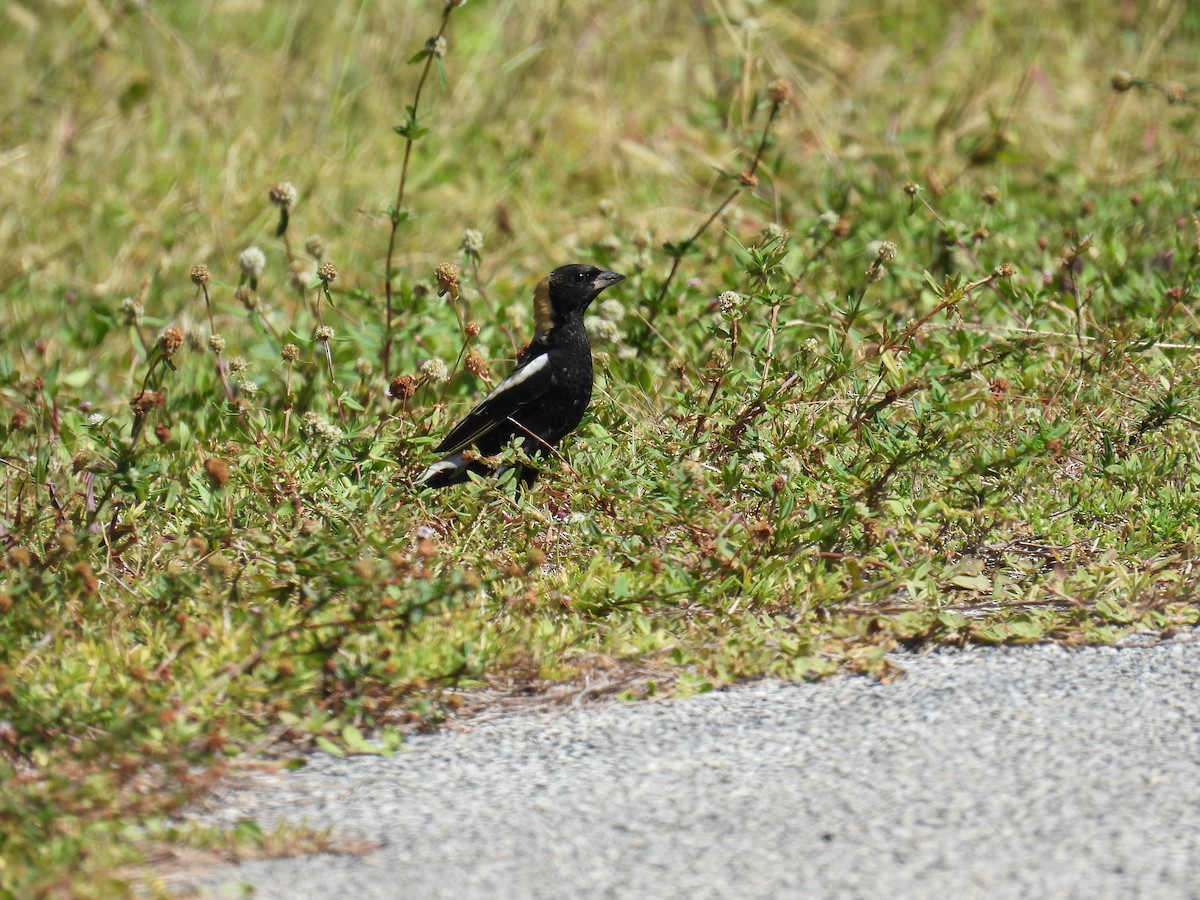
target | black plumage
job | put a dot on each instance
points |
(545, 396)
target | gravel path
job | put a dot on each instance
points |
(983, 773)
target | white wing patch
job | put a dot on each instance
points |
(519, 377)
(449, 464)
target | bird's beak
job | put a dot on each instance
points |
(606, 279)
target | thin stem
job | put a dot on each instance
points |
(395, 217)
(734, 335)
(746, 179)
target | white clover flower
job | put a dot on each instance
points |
(301, 274)
(472, 241)
(773, 231)
(319, 429)
(602, 331)
(731, 303)
(435, 370)
(132, 311)
(881, 250)
(613, 310)
(284, 194)
(610, 244)
(253, 262)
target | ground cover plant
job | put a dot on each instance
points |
(906, 356)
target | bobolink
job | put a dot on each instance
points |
(545, 396)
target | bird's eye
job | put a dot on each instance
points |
(581, 277)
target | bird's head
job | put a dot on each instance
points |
(568, 289)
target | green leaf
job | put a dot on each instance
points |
(330, 747)
(76, 379)
(971, 582)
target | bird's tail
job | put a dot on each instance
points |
(449, 470)
(453, 469)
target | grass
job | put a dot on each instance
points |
(908, 359)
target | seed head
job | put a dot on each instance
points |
(327, 272)
(200, 274)
(1175, 93)
(171, 340)
(780, 91)
(1121, 81)
(246, 296)
(471, 329)
(290, 353)
(447, 278)
(436, 45)
(885, 250)
(315, 246)
(216, 343)
(1005, 270)
(912, 188)
(238, 365)
(323, 333)
(991, 195)
(284, 194)
(477, 364)
(217, 471)
(402, 387)
(748, 179)
(253, 262)
(144, 401)
(363, 367)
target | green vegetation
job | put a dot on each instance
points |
(908, 355)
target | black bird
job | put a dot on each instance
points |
(545, 396)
